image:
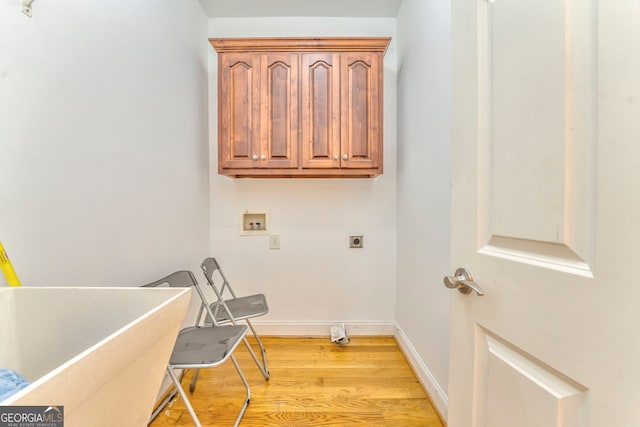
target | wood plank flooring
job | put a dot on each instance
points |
(313, 383)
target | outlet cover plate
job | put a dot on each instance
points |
(274, 241)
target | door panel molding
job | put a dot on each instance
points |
(535, 393)
(552, 256)
(537, 133)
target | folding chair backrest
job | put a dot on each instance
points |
(184, 279)
(179, 279)
(209, 267)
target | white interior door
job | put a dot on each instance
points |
(546, 213)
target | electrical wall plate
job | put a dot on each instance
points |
(274, 241)
(254, 222)
(356, 242)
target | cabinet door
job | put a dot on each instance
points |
(280, 107)
(361, 100)
(320, 100)
(239, 110)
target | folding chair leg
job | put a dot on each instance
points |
(187, 403)
(192, 386)
(263, 351)
(264, 372)
(176, 381)
(165, 402)
(246, 385)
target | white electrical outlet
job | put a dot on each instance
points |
(274, 241)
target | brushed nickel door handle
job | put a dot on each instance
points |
(463, 282)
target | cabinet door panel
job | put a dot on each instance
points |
(320, 110)
(279, 119)
(361, 124)
(238, 105)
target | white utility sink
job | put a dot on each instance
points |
(99, 352)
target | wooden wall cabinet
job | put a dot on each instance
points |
(258, 111)
(300, 107)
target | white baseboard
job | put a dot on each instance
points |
(323, 329)
(438, 396)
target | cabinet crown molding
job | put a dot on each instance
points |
(301, 44)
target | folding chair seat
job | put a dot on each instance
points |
(202, 346)
(234, 308)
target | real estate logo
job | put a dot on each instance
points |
(31, 416)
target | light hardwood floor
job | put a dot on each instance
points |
(313, 383)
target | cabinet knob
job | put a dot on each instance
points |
(263, 157)
(254, 157)
(335, 157)
(345, 157)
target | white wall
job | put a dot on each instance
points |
(314, 277)
(424, 138)
(103, 140)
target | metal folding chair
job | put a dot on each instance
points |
(203, 346)
(233, 309)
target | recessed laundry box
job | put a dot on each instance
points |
(99, 352)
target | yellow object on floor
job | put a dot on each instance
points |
(7, 268)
